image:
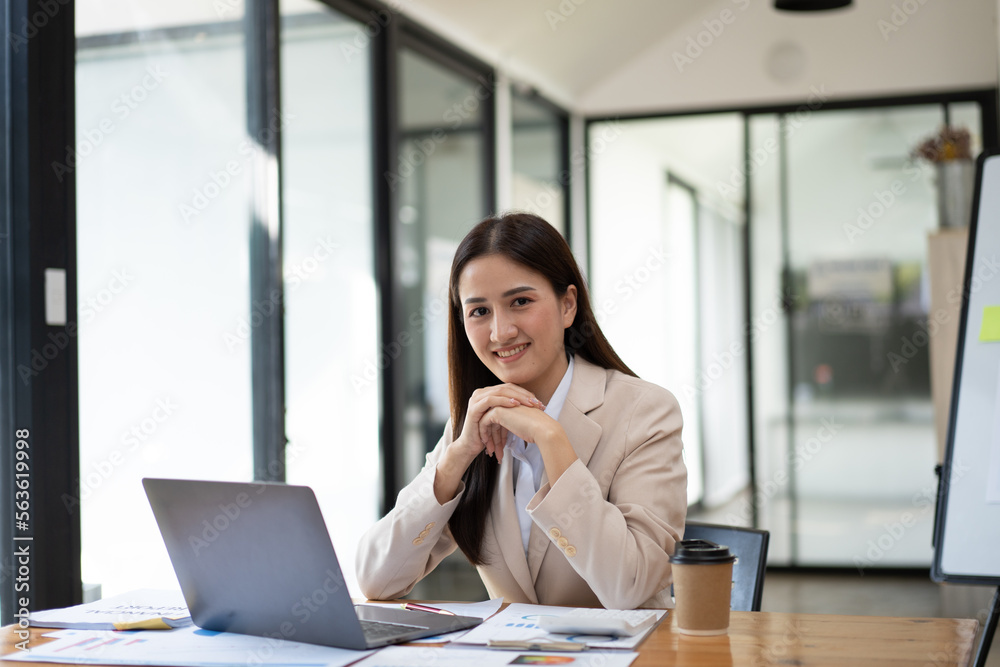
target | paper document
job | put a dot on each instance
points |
(520, 622)
(145, 609)
(425, 656)
(188, 646)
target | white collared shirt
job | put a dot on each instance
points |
(527, 462)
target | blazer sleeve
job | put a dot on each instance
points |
(620, 543)
(408, 542)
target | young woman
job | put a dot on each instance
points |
(560, 474)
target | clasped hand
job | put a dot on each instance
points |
(498, 410)
(493, 413)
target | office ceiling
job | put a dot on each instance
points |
(601, 57)
(606, 56)
(568, 44)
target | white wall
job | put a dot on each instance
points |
(762, 56)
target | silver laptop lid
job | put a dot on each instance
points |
(255, 558)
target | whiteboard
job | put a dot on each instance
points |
(967, 532)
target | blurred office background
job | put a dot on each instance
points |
(738, 183)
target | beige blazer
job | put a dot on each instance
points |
(601, 535)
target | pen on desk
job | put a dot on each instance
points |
(413, 606)
(535, 645)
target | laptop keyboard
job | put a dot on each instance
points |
(375, 630)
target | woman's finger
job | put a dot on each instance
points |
(491, 435)
(484, 434)
(478, 423)
(503, 448)
(500, 438)
(522, 395)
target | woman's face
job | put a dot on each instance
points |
(515, 322)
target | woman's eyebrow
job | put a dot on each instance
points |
(510, 292)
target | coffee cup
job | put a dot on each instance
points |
(703, 586)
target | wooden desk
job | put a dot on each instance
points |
(763, 638)
(767, 638)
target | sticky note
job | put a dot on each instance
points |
(144, 624)
(989, 331)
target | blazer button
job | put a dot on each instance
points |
(571, 551)
(429, 526)
(555, 533)
(562, 542)
(417, 542)
(424, 532)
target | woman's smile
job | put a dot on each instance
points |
(510, 353)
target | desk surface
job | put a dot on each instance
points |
(764, 638)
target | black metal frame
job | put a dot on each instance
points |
(385, 83)
(565, 168)
(40, 557)
(8, 411)
(747, 338)
(267, 345)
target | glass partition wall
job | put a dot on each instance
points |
(163, 224)
(442, 186)
(331, 297)
(163, 276)
(439, 185)
(666, 271)
(821, 297)
(539, 157)
(844, 432)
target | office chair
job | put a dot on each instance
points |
(749, 545)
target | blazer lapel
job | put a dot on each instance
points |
(538, 545)
(586, 392)
(508, 532)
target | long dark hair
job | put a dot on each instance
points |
(532, 242)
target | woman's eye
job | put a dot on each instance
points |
(477, 312)
(522, 301)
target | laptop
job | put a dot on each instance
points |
(256, 559)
